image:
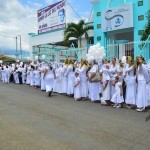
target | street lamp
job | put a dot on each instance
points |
(20, 47)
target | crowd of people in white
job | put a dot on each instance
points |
(112, 83)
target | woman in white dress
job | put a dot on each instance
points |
(16, 77)
(93, 86)
(42, 76)
(70, 75)
(56, 81)
(61, 72)
(77, 87)
(148, 84)
(65, 78)
(31, 76)
(105, 100)
(142, 79)
(130, 79)
(37, 77)
(84, 80)
(28, 75)
(112, 72)
(4, 75)
(49, 76)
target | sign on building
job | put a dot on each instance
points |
(52, 17)
(117, 18)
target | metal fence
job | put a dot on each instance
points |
(132, 49)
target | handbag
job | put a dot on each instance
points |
(96, 78)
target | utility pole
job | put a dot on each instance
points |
(16, 48)
(20, 48)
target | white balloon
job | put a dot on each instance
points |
(21, 63)
(123, 59)
(43, 56)
(36, 57)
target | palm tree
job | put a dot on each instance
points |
(146, 32)
(77, 30)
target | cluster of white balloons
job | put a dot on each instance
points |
(96, 52)
(36, 57)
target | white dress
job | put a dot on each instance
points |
(142, 77)
(56, 81)
(77, 89)
(117, 98)
(31, 77)
(23, 75)
(60, 88)
(106, 93)
(112, 73)
(70, 73)
(130, 86)
(43, 88)
(16, 78)
(93, 86)
(49, 80)
(4, 76)
(28, 77)
(84, 81)
(148, 84)
(37, 77)
(65, 80)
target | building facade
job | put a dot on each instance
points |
(120, 22)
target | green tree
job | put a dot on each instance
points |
(77, 30)
(146, 32)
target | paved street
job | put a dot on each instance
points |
(29, 120)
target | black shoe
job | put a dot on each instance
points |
(50, 93)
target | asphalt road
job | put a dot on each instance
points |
(29, 120)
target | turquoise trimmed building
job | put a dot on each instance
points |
(121, 22)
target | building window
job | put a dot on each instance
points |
(140, 3)
(140, 32)
(98, 38)
(140, 17)
(99, 26)
(98, 14)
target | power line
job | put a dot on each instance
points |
(13, 37)
(73, 9)
(7, 36)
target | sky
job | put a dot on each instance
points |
(19, 17)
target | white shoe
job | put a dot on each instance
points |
(140, 109)
(118, 106)
(115, 105)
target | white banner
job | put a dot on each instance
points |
(52, 17)
(117, 18)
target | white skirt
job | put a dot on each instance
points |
(94, 91)
(141, 98)
(37, 81)
(28, 79)
(70, 89)
(64, 85)
(130, 92)
(148, 93)
(77, 92)
(106, 94)
(84, 87)
(42, 82)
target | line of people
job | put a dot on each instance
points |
(112, 83)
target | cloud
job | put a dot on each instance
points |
(49, 1)
(16, 19)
